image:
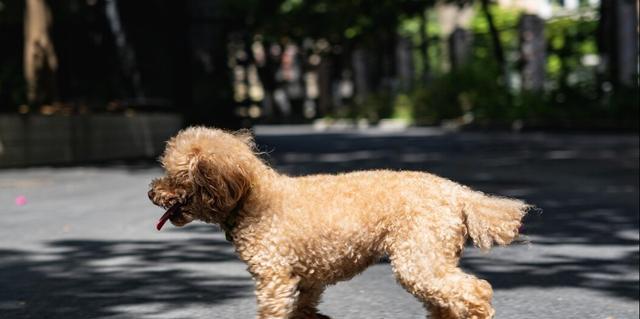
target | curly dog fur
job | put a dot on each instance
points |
(300, 234)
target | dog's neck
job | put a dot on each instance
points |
(235, 217)
(231, 220)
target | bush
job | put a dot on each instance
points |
(473, 89)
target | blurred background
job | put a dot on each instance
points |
(77, 68)
(534, 99)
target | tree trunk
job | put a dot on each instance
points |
(617, 41)
(181, 72)
(324, 83)
(40, 60)
(125, 50)
(627, 38)
(460, 46)
(498, 50)
(424, 45)
(532, 52)
(211, 92)
(404, 63)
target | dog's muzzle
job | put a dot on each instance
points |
(172, 211)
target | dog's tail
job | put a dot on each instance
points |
(492, 219)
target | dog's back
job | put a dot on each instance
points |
(341, 223)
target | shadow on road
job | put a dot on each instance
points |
(99, 278)
(586, 187)
(604, 275)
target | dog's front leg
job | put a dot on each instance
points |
(277, 294)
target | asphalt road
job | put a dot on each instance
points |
(84, 244)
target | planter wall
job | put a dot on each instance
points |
(40, 140)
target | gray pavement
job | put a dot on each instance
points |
(84, 245)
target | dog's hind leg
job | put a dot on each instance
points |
(425, 264)
(446, 293)
(277, 295)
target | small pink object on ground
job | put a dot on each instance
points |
(21, 200)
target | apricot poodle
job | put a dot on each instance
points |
(300, 234)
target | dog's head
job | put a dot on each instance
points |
(208, 173)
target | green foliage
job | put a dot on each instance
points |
(403, 107)
(506, 21)
(374, 107)
(569, 41)
(473, 89)
(572, 96)
(572, 92)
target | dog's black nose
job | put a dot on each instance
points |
(151, 194)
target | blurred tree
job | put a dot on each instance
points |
(424, 42)
(40, 60)
(498, 49)
(363, 35)
(618, 41)
(460, 46)
(12, 80)
(532, 52)
(494, 32)
(126, 53)
(211, 91)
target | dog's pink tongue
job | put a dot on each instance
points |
(170, 212)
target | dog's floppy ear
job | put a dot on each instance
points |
(222, 178)
(199, 170)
